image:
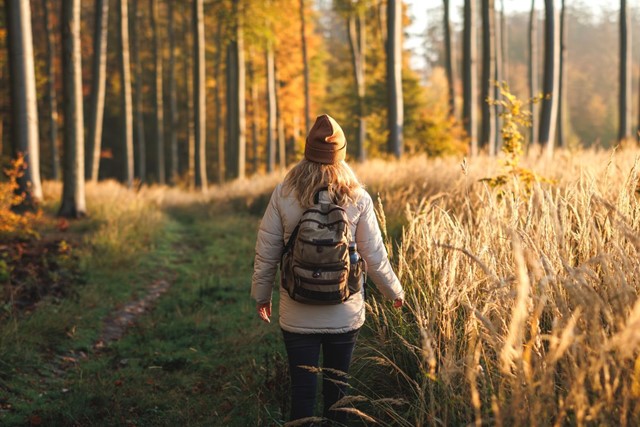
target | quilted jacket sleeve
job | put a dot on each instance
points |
(269, 246)
(371, 248)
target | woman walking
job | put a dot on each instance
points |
(318, 312)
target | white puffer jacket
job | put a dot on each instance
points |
(279, 221)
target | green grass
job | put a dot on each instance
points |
(201, 357)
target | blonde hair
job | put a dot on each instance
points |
(306, 178)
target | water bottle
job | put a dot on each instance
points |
(354, 257)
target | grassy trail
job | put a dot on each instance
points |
(200, 357)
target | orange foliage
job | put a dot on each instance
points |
(13, 224)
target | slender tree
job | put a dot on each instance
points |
(305, 64)
(96, 104)
(281, 150)
(236, 98)
(52, 99)
(73, 195)
(469, 81)
(357, 30)
(125, 88)
(173, 97)
(448, 59)
(255, 109)
(158, 90)
(504, 43)
(141, 157)
(499, 69)
(199, 93)
(271, 106)
(220, 140)
(487, 140)
(562, 84)
(188, 82)
(533, 70)
(624, 106)
(549, 113)
(394, 77)
(24, 107)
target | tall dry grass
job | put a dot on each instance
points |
(521, 310)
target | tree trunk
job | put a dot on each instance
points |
(271, 108)
(357, 41)
(173, 98)
(96, 105)
(235, 100)
(499, 77)
(394, 77)
(504, 43)
(255, 111)
(448, 59)
(127, 104)
(140, 137)
(73, 203)
(199, 93)
(158, 90)
(188, 79)
(220, 141)
(624, 106)
(51, 92)
(469, 81)
(562, 84)
(282, 154)
(533, 71)
(487, 140)
(549, 114)
(305, 64)
(24, 106)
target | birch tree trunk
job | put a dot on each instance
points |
(533, 70)
(96, 104)
(469, 81)
(52, 98)
(199, 94)
(487, 140)
(73, 204)
(305, 64)
(394, 77)
(127, 103)
(624, 106)
(24, 106)
(356, 28)
(448, 59)
(141, 158)
(549, 113)
(158, 91)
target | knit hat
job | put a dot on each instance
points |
(326, 142)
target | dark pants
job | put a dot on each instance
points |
(304, 350)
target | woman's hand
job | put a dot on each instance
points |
(398, 302)
(264, 311)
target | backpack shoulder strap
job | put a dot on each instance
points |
(324, 207)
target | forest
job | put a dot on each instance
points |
(140, 143)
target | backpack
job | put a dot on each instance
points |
(315, 267)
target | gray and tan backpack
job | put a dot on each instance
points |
(315, 267)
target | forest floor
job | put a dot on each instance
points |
(165, 336)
